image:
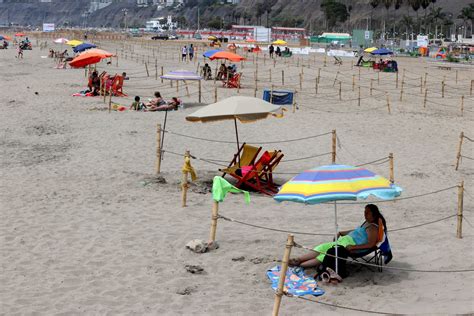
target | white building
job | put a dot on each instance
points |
(161, 24)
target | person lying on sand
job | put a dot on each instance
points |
(172, 105)
(363, 237)
(156, 102)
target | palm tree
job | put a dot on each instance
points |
(387, 4)
(407, 21)
(437, 14)
(374, 4)
(425, 4)
(467, 14)
(415, 5)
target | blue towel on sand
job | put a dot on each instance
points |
(297, 283)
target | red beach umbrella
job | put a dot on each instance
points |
(92, 56)
(227, 55)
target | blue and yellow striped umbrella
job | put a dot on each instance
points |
(334, 183)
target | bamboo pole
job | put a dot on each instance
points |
(456, 76)
(335, 79)
(359, 74)
(184, 179)
(158, 149)
(421, 85)
(388, 103)
(460, 209)
(301, 82)
(426, 78)
(442, 89)
(215, 216)
(401, 91)
(319, 75)
(458, 155)
(358, 99)
(378, 78)
(371, 86)
(156, 69)
(284, 268)
(392, 176)
(340, 90)
(396, 80)
(334, 143)
(425, 98)
(294, 102)
(110, 99)
(199, 90)
(270, 74)
(325, 60)
(146, 68)
(472, 84)
(283, 78)
(271, 95)
(353, 82)
(215, 94)
(316, 85)
(462, 105)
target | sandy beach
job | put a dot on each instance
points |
(88, 228)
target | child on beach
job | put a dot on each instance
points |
(137, 105)
(20, 52)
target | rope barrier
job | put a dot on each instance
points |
(253, 143)
(381, 161)
(304, 158)
(270, 228)
(343, 307)
(469, 139)
(327, 234)
(470, 158)
(400, 199)
(468, 222)
(296, 245)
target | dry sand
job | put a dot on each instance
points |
(87, 229)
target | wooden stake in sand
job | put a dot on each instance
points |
(335, 79)
(371, 86)
(401, 91)
(271, 95)
(456, 76)
(184, 179)
(199, 91)
(162, 74)
(284, 268)
(301, 82)
(283, 78)
(334, 143)
(396, 80)
(215, 94)
(146, 68)
(388, 103)
(442, 89)
(340, 91)
(425, 98)
(421, 85)
(353, 82)
(316, 85)
(158, 149)
(359, 73)
(458, 155)
(378, 78)
(358, 99)
(110, 99)
(472, 84)
(156, 69)
(460, 209)
(215, 216)
(270, 74)
(462, 105)
(426, 78)
(392, 176)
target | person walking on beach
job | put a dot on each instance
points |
(184, 53)
(191, 52)
(271, 50)
(20, 52)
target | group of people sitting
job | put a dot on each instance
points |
(104, 83)
(4, 45)
(156, 104)
(226, 72)
(223, 72)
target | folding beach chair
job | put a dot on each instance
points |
(117, 86)
(337, 60)
(379, 255)
(245, 156)
(259, 175)
(233, 82)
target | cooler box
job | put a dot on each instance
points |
(280, 97)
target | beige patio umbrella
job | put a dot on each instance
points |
(244, 109)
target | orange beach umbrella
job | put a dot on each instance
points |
(92, 56)
(227, 55)
(20, 34)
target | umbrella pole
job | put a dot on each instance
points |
(237, 137)
(335, 222)
(163, 136)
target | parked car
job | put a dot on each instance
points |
(162, 37)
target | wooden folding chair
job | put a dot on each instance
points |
(245, 156)
(117, 86)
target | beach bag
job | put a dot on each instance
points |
(330, 261)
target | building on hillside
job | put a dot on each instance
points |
(161, 24)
